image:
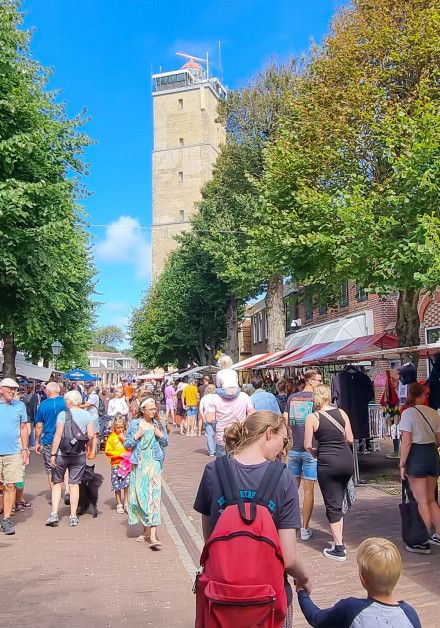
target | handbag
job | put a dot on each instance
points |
(414, 530)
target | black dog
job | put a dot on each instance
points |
(88, 491)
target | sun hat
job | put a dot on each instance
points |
(8, 382)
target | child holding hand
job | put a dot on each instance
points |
(119, 459)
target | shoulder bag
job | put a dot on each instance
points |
(414, 530)
(350, 495)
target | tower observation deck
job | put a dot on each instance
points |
(187, 137)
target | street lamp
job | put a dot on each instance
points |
(56, 347)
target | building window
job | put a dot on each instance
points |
(260, 326)
(361, 295)
(181, 177)
(181, 141)
(343, 302)
(254, 330)
(266, 325)
(308, 303)
(432, 335)
(182, 214)
(180, 104)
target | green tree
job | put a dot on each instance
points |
(351, 186)
(46, 274)
(182, 319)
(105, 338)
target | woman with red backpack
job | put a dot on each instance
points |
(250, 514)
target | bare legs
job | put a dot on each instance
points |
(308, 499)
(337, 531)
(8, 500)
(424, 492)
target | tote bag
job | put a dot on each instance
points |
(414, 530)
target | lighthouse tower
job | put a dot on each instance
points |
(187, 137)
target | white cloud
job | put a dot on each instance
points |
(125, 243)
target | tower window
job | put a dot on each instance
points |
(182, 214)
(181, 141)
(181, 177)
(180, 103)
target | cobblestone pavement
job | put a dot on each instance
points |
(97, 575)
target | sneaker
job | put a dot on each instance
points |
(120, 509)
(434, 539)
(52, 519)
(305, 534)
(7, 526)
(67, 499)
(393, 456)
(73, 521)
(336, 553)
(422, 548)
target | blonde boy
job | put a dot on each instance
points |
(379, 565)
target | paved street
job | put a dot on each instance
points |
(97, 575)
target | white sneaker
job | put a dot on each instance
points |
(305, 534)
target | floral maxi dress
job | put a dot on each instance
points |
(145, 485)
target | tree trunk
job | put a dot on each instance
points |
(408, 322)
(276, 334)
(201, 349)
(232, 329)
(9, 353)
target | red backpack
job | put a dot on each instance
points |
(241, 579)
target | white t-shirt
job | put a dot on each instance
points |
(117, 404)
(226, 378)
(412, 421)
(206, 402)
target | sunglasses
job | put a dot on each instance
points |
(286, 441)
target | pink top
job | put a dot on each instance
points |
(169, 392)
(227, 411)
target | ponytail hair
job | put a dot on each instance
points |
(239, 436)
(414, 390)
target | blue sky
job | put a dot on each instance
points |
(102, 53)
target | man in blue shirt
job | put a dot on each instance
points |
(14, 450)
(45, 423)
(261, 399)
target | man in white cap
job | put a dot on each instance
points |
(14, 446)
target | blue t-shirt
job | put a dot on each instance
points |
(12, 415)
(47, 413)
(81, 417)
(263, 400)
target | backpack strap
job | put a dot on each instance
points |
(230, 489)
(269, 482)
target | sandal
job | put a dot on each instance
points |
(25, 504)
(142, 538)
(155, 545)
(19, 507)
(120, 509)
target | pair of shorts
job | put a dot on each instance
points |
(47, 452)
(423, 461)
(11, 468)
(169, 404)
(191, 411)
(303, 465)
(75, 465)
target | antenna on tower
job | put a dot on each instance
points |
(220, 60)
(194, 58)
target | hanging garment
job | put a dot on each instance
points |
(352, 391)
(434, 383)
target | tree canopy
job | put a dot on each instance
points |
(46, 272)
(107, 337)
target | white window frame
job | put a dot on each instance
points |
(428, 329)
(254, 330)
(260, 326)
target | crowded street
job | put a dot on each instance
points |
(97, 575)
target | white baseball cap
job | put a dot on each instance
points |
(8, 382)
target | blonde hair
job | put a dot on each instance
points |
(119, 420)
(379, 564)
(322, 396)
(209, 389)
(239, 436)
(225, 362)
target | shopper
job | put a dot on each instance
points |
(209, 425)
(419, 460)
(261, 399)
(119, 457)
(301, 462)
(331, 428)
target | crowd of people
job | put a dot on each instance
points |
(247, 429)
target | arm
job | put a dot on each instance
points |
(91, 448)
(338, 615)
(348, 430)
(404, 451)
(312, 424)
(161, 435)
(38, 432)
(134, 433)
(293, 563)
(24, 436)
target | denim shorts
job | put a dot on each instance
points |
(303, 464)
(191, 411)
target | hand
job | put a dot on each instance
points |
(25, 456)
(38, 448)
(303, 585)
(158, 432)
(139, 433)
(403, 475)
(53, 461)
